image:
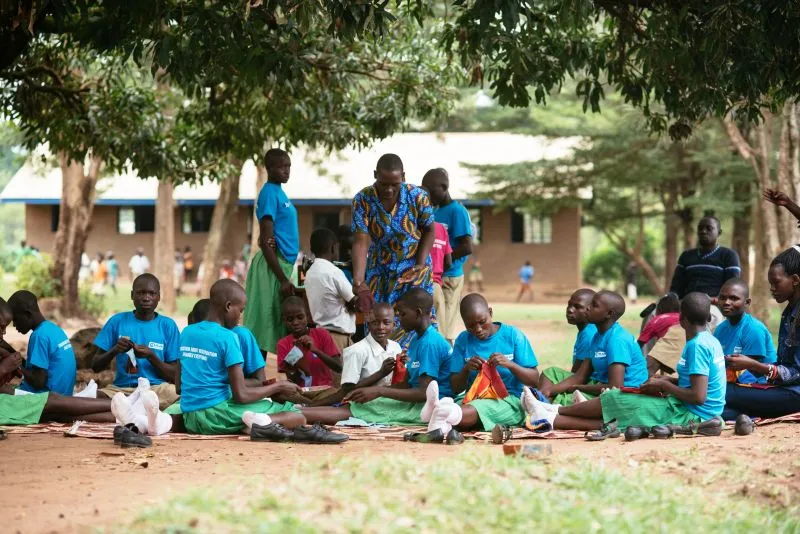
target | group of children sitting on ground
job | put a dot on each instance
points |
(210, 378)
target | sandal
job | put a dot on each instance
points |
(501, 434)
(608, 430)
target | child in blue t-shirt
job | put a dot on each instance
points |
(487, 343)
(695, 399)
(215, 399)
(741, 334)
(150, 337)
(50, 364)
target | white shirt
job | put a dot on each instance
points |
(139, 264)
(365, 359)
(328, 290)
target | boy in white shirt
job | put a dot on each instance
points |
(330, 295)
(371, 361)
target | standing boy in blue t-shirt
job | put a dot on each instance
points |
(152, 338)
(50, 363)
(488, 343)
(741, 334)
(215, 399)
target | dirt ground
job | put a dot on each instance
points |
(77, 485)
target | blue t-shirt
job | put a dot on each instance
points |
(161, 335)
(273, 203)
(50, 349)
(207, 350)
(455, 218)
(509, 341)
(750, 337)
(617, 345)
(253, 360)
(703, 355)
(583, 343)
(429, 354)
(526, 273)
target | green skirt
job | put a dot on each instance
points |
(556, 375)
(507, 411)
(631, 409)
(174, 409)
(262, 315)
(226, 417)
(22, 409)
(388, 412)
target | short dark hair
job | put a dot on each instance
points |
(669, 303)
(273, 155)
(322, 239)
(389, 162)
(146, 277)
(696, 308)
(417, 298)
(293, 301)
(23, 300)
(199, 312)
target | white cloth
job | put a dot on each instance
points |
(365, 359)
(139, 265)
(328, 291)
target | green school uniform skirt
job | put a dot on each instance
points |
(631, 409)
(262, 315)
(556, 375)
(226, 417)
(22, 409)
(388, 412)
(507, 411)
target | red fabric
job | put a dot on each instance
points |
(399, 374)
(320, 373)
(658, 326)
(487, 385)
(440, 249)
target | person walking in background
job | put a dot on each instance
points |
(177, 272)
(139, 264)
(85, 271)
(99, 274)
(188, 263)
(226, 271)
(630, 282)
(240, 269)
(475, 277)
(112, 266)
(525, 278)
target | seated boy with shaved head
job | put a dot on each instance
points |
(615, 359)
(690, 403)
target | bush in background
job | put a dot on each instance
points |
(34, 275)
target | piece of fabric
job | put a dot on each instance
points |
(487, 385)
(440, 249)
(556, 375)
(49, 349)
(508, 340)
(388, 411)
(630, 409)
(160, 334)
(440, 305)
(583, 343)
(667, 350)
(749, 337)
(167, 396)
(429, 355)
(703, 355)
(226, 416)
(365, 358)
(617, 345)
(263, 315)
(328, 290)
(22, 409)
(452, 287)
(507, 411)
(455, 218)
(272, 203)
(705, 273)
(207, 351)
(342, 341)
(320, 373)
(253, 359)
(789, 349)
(658, 326)
(772, 402)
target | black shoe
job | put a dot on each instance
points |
(3, 435)
(454, 437)
(501, 434)
(712, 427)
(662, 432)
(119, 430)
(608, 430)
(632, 433)
(434, 436)
(744, 425)
(270, 432)
(131, 438)
(317, 433)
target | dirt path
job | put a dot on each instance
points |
(74, 485)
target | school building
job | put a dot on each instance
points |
(322, 187)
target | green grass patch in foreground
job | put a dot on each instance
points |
(468, 492)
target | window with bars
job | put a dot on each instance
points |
(531, 229)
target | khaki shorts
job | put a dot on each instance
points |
(452, 287)
(342, 341)
(667, 350)
(439, 304)
(165, 391)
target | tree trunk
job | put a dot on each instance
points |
(261, 179)
(787, 224)
(670, 198)
(224, 210)
(636, 255)
(759, 292)
(164, 244)
(75, 214)
(740, 238)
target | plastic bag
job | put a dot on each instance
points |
(400, 371)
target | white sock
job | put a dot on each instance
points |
(22, 392)
(431, 399)
(251, 418)
(122, 410)
(144, 385)
(542, 414)
(89, 392)
(578, 397)
(439, 417)
(456, 414)
(528, 400)
(547, 406)
(158, 422)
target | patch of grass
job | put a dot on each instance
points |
(468, 492)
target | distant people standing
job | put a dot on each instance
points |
(86, 267)
(475, 277)
(525, 278)
(226, 271)
(139, 263)
(188, 263)
(99, 274)
(630, 282)
(455, 218)
(112, 265)
(178, 272)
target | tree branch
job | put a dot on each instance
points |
(738, 140)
